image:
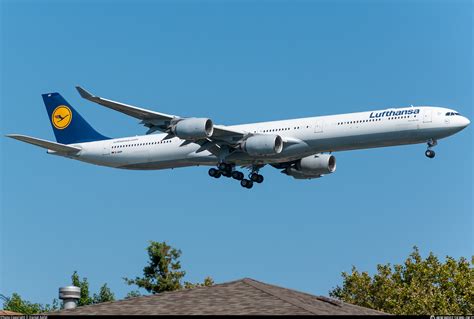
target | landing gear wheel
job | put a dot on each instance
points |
(430, 153)
(254, 177)
(246, 183)
(237, 175)
(224, 167)
(213, 172)
(226, 173)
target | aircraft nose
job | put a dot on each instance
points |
(465, 121)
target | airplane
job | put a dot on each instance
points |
(301, 148)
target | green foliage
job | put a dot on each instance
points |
(17, 304)
(208, 281)
(418, 287)
(133, 294)
(163, 272)
(105, 294)
(84, 285)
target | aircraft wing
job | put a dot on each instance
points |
(57, 147)
(157, 121)
(136, 112)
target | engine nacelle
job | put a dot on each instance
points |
(313, 166)
(263, 145)
(193, 128)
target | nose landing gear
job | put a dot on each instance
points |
(429, 152)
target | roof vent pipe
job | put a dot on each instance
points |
(69, 295)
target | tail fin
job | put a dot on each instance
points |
(68, 125)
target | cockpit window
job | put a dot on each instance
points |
(452, 113)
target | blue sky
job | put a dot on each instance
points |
(235, 62)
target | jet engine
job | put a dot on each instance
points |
(193, 128)
(263, 145)
(313, 166)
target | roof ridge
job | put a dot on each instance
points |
(260, 286)
(332, 301)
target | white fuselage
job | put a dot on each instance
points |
(302, 137)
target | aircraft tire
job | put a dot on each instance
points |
(430, 153)
(237, 175)
(212, 172)
(244, 182)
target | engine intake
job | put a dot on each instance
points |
(313, 166)
(263, 145)
(193, 128)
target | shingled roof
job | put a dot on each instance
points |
(241, 297)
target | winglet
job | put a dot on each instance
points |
(84, 94)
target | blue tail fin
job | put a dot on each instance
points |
(68, 125)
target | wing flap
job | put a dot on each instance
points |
(57, 147)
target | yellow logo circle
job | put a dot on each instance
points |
(61, 117)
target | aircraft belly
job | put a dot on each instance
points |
(172, 157)
(377, 139)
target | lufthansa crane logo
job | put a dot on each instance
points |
(61, 117)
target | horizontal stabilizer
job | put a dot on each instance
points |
(57, 147)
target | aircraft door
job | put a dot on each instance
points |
(318, 127)
(427, 116)
(106, 149)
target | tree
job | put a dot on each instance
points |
(17, 304)
(208, 281)
(163, 272)
(105, 294)
(85, 298)
(418, 287)
(133, 294)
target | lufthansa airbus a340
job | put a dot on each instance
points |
(301, 148)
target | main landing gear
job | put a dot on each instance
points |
(429, 152)
(228, 170)
(253, 178)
